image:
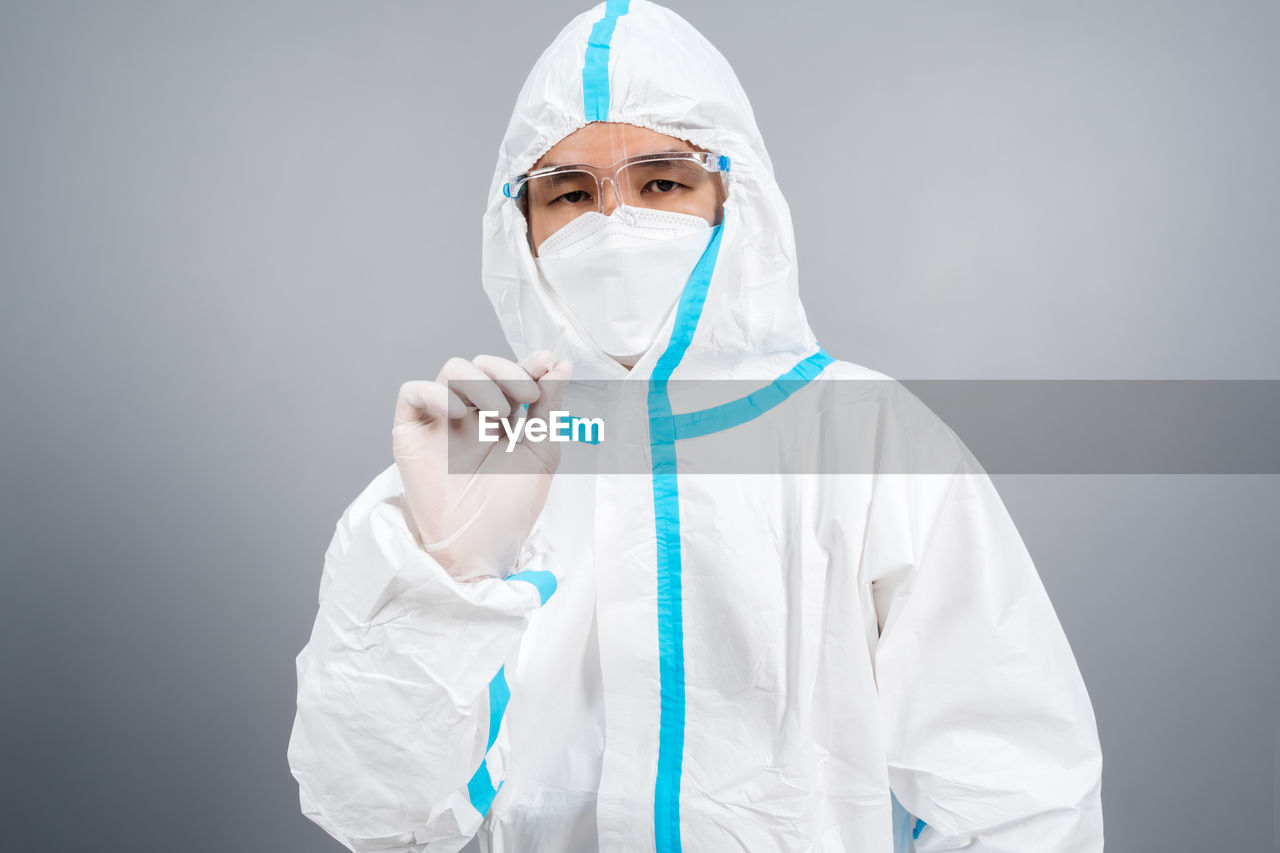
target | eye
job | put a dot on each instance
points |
(662, 185)
(573, 197)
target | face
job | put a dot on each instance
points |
(600, 145)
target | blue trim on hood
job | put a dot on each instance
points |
(595, 66)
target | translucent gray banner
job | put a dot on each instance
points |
(842, 427)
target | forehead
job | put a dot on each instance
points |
(603, 143)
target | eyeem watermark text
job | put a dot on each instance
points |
(560, 426)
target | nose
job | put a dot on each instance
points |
(609, 199)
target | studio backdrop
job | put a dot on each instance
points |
(230, 230)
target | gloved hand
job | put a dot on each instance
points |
(472, 521)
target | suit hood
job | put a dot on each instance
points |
(640, 63)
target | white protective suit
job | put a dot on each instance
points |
(704, 663)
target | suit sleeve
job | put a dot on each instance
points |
(397, 744)
(990, 734)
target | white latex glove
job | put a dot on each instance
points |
(474, 521)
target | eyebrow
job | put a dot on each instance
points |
(551, 165)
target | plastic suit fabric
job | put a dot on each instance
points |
(838, 664)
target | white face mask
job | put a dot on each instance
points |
(621, 275)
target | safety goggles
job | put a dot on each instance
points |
(672, 181)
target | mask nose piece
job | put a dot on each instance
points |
(626, 213)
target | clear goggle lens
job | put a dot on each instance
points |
(679, 183)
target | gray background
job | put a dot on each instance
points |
(230, 230)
